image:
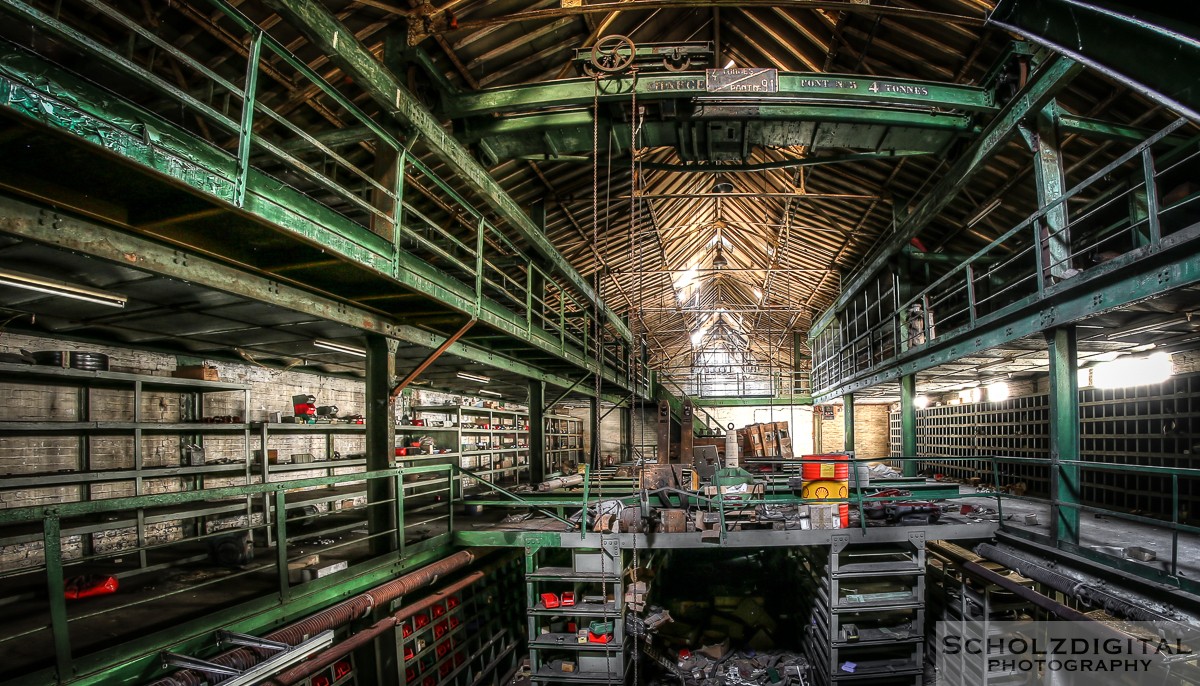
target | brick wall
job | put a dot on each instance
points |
(271, 390)
(870, 431)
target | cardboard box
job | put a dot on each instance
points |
(197, 371)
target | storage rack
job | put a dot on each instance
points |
(467, 639)
(593, 572)
(1155, 424)
(564, 441)
(868, 617)
(189, 430)
(505, 433)
(967, 608)
(331, 497)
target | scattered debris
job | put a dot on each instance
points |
(742, 668)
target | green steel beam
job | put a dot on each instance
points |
(908, 422)
(126, 131)
(568, 135)
(1062, 346)
(753, 402)
(1069, 124)
(1139, 275)
(380, 416)
(332, 37)
(1053, 76)
(91, 238)
(1050, 182)
(537, 431)
(794, 88)
(848, 419)
(1155, 56)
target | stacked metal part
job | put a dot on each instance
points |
(827, 478)
(868, 616)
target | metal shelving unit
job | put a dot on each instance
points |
(564, 441)
(492, 443)
(1152, 425)
(553, 645)
(189, 428)
(329, 497)
(868, 618)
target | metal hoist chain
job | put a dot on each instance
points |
(633, 218)
(598, 342)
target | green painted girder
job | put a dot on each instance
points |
(1096, 128)
(754, 402)
(1053, 76)
(35, 90)
(1140, 274)
(332, 37)
(1062, 347)
(551, 135)
(1155, 56)
(794, 87)
(87, 237)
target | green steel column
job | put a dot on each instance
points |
(537, 432)
(908, 422)
(627, 452)
(380, 418)
(1064, 433)
(1051, 183)
(848, 417)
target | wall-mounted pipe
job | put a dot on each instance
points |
(330, 618)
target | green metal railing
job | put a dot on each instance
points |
(419, 516)
(1054, 248)
(1077, 470)
(224, 139)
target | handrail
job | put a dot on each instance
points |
(971, 289)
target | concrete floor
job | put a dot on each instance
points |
(1105, 534)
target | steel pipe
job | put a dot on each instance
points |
(330, 618)
(321, 660)
(1065, 584)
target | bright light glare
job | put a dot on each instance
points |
(997, 392)
(698, 336)
(921, 402)
(729, 64)
(1139, 371)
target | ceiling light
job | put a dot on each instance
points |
(997, 391)
(473, 377)
(722, 186)
(719, 260)
(484, 391)
(970, 395)
(729, 64)
(921, 402)
(339, 348)
(1128, 372)
(41, 284)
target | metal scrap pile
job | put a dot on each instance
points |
(772, 668)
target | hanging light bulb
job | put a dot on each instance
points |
(719, 260)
